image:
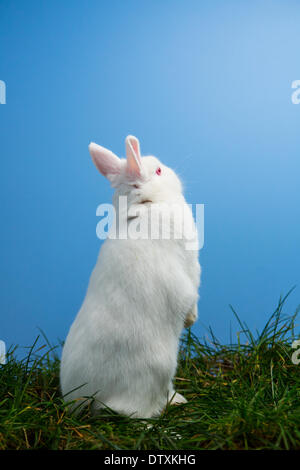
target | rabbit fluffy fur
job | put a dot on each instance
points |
(121, 350)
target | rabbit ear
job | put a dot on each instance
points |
(134, 161)
(106, 161)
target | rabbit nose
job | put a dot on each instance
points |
(136, 186)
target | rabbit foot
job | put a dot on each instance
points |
(178, 399)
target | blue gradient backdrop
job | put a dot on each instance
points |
(207, 88)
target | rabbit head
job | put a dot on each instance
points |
(141, 179)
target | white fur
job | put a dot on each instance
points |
(122, 347)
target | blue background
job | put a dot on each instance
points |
(207, 88)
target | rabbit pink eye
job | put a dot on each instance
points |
(158, 171)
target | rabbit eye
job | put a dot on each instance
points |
(158, 171)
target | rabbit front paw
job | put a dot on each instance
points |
(191, 317)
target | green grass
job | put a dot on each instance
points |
(241, 396)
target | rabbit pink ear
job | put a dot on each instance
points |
(106, 161)
(134, 161)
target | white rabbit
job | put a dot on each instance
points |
(122, 347)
